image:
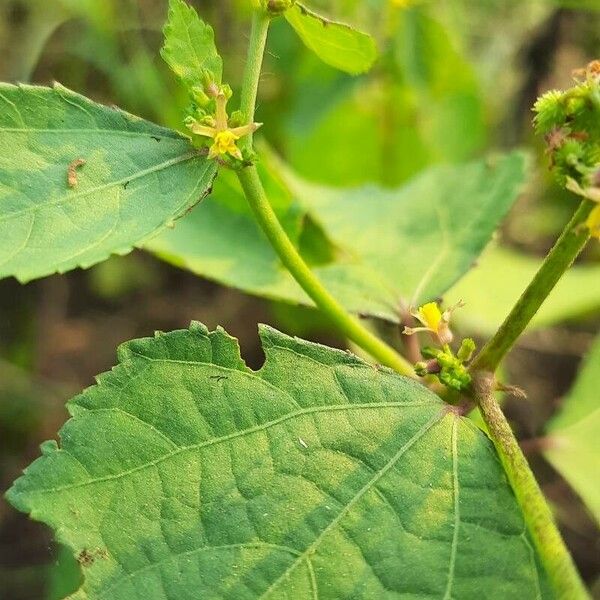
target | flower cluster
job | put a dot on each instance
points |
(208, 118)
(570, 122)
(448, 367)
(434, 321)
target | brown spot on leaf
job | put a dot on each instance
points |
(86, 558)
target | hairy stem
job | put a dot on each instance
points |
(559, 259)
(553, 553)
(538, 516)
(348, 324)
(256, 50)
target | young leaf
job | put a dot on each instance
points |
(576, 294)
(573, 445)
(80, 181)
(389, 247)
(336, 44)
(184, 474)
(189, 47)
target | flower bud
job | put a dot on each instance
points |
(570, 123)
(449, 368)
(466, 350)
(199, 96)
(227, 91)
(429, 367)
(236, 119)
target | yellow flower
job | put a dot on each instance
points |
(593, 222)
(434, 321)
(430, 315)
(224, 137)
(224, 144)
(403, 3)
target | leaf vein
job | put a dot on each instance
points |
(381, 473)
(241, 546)
(456, 501)
(159, 167)
(234, 435)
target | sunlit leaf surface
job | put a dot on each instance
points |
(80, 181)
(336, 44)
(189, 47)
(184, 474)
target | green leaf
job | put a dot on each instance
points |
(573, 444)
(323, 141)
(388, 247)
(336, 44)
(508, 273)
(202, 241)
(137, 178)
(189, 47)
(427, 109)
(64, 576)
(184, 474)
(419, 239)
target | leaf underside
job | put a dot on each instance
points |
(336, 44)
(80, 181)
(508, 272)
(183, 474)
(389, 248)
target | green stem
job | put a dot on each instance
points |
(267, 219)
(349, 325)
(551, 548)
(256, 50)
(559, 259)
(539, 519)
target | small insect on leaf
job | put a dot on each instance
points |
(72, 171)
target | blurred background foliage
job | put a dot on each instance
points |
(456, 79)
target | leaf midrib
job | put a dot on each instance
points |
(456, 507)
(68, 197)
(98, 130)
(151, 566)
(225, 438)
(303, 556)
